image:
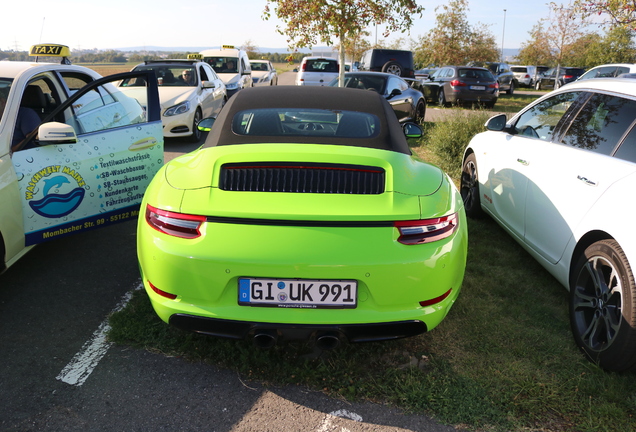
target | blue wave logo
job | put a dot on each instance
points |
(58, 205)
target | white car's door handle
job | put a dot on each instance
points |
(586, 180)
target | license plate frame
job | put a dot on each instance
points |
(478, 87)
(297, 293)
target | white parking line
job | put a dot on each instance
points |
(85, 361)
(327, 425)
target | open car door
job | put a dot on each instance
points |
(90, 166)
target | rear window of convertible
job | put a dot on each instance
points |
(306, 123)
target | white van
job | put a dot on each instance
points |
(317, 71)
(231, 65)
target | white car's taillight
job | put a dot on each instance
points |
(426, 230)
(174, 224)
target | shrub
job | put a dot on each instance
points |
(448, 139)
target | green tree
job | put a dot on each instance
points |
(308, 22)
(566, 26)
(536, 51)
(615, 12)
(453, 41)
(616, 46)
(251, 49)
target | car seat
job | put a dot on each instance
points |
(353, 125)
(34, 98)
(265, 123)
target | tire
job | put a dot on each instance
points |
(511, 90)
(393, 68)
(196, 133)
(490, 104)
(420, 112)
(537, 86)
(469, 188)
(441, 98)
(603, 306)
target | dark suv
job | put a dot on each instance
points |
(566, 75)
(396, 62)
(505, 77)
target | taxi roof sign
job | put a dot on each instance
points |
(195, 56)
(227, 47)
(51, 50)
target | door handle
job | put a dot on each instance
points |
(586, 181)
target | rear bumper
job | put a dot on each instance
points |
(245, 330)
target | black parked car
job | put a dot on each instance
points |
(396, 62)
(503, 73)
(461, 84)
(566, 75)
(407, 102)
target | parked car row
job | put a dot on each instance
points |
(461, 84)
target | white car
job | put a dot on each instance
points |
(189, 90)
(608, 71)
(526, 75)
(559, 177)
(317, 71)
(75, 152)
(263, 73)
(232, 65)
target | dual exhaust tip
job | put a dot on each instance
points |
(325, 341)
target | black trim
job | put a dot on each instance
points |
(354, 333)
(300, 223)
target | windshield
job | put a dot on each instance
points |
(223, 64)
(167, 75)
(259, 66)
(5, 86)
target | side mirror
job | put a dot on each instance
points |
(206, 124)
(412, 130)
(496, 123)
(395, 92)
(56, 133)
(207, 84)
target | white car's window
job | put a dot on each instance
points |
(601, 123)
(5, 86)
(627, 150)
(541, 120)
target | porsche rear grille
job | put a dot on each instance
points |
(303, 178)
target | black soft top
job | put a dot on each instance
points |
(389, 137)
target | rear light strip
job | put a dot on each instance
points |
(174, 224)
(427, 230)
(412, 232)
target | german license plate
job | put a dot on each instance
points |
(298, 293)
(478, 87)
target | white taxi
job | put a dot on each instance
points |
(232, 65)
(189, 90)
(75, 153)
(263, 73)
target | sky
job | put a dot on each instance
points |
(117, 24)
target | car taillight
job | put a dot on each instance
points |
(426, 230)
(304, 66)
(568, 76)
(174, 224)
(493, 85)
(161, 292)
(527, 76)
(457, 83)
(436, 299)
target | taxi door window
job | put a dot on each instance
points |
(204, 76)
(102, 108)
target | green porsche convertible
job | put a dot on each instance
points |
(304, 216)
